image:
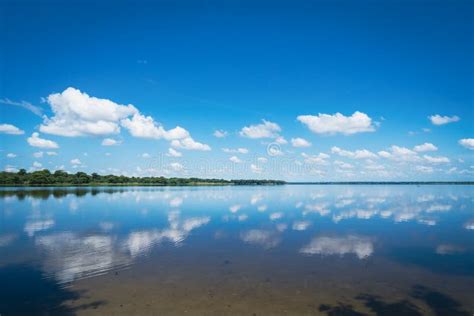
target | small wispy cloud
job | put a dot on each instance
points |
(220, 133)
(26, 105)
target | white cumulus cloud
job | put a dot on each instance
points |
(110, 142)
(436, 159)
(358, 154)
(9, 168)
(235, 150)
(235, 159)
(315, 159)
(343, 165)
(220, 133)
(266, 129)
(398, 153)
(190, 144)
(145, 127)
(300, 142)
(76, 162)
(173, 153)
(176, 166)
(425, 147)
(364, 154)
(77, 114)
(358, 122)
(441, 120)
(467, 142)
(281, 140)
(424, 169)
(36, 141)
(10, 129)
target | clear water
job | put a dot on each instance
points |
(281, 250)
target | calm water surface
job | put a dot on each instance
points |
(283, 250)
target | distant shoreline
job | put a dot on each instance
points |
(46, 178)
(204, 184)
(210, 184)
(59, 178)
(197, 184)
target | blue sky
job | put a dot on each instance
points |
(69, 72)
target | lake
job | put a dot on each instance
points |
(243, 250)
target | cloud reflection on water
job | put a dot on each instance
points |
(362, 247)
(7, 239)
(69, 256)
(264, 238)
(140, 242)
(34, 226)
(109, 230)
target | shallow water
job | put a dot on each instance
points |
(277, 250)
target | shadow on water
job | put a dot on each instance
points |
(25, 291)
(378, 306)
(340, 310)
(439, 303)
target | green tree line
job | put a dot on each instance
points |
(60, 177)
